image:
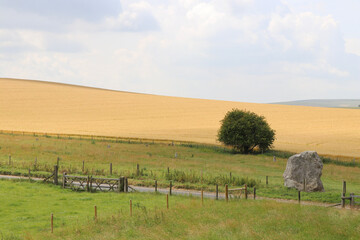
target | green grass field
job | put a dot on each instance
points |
(195, 166)
(26, 208)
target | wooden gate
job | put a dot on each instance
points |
(352, 199)
(90, 183)
(236, 192)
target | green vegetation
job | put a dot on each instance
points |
(195, 166)
(26, 208)
(245, 131)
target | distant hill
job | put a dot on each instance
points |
(331, 103)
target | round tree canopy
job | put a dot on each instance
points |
(245, 131)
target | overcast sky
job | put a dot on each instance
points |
(240, 50)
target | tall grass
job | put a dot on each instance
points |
(193, 177)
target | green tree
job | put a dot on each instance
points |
(245, 131)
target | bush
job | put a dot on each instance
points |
(245, 131)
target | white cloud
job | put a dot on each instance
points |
(15, 42)
(352, 45)
(305, 30)
(237, 49)
(137, 16)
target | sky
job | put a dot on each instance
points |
(238, 50)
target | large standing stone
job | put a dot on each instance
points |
(306, 166)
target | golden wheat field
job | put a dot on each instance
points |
(35, 106)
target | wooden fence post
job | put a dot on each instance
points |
(110, 168)
(168, 169)
(29, 175)
(137, 170)
(58, 161)
(122, 184)
(299, 196)
(217, 192)
(267, 180)
(226, 192)
(352, 200)
(254, 193)
(35, 165)
(119, 185)
(343, 195)
(95, 217)
(52, 223)
(83, 166)
(155, 185)
(170, 188)
(246, 193)
(56, 175)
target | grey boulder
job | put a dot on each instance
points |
(305, 167)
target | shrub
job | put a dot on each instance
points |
(245, 131)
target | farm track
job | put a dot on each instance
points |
(194, 193)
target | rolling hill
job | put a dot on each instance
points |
(333, 103)
(27, 105)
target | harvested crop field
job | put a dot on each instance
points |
(34, 106)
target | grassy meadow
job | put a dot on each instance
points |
(34, 106)
(195, 166)
(26, 208)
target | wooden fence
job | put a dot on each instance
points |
(91, 184)
(54, 177)
(351, 198)
(96, 137)
(237, 192)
